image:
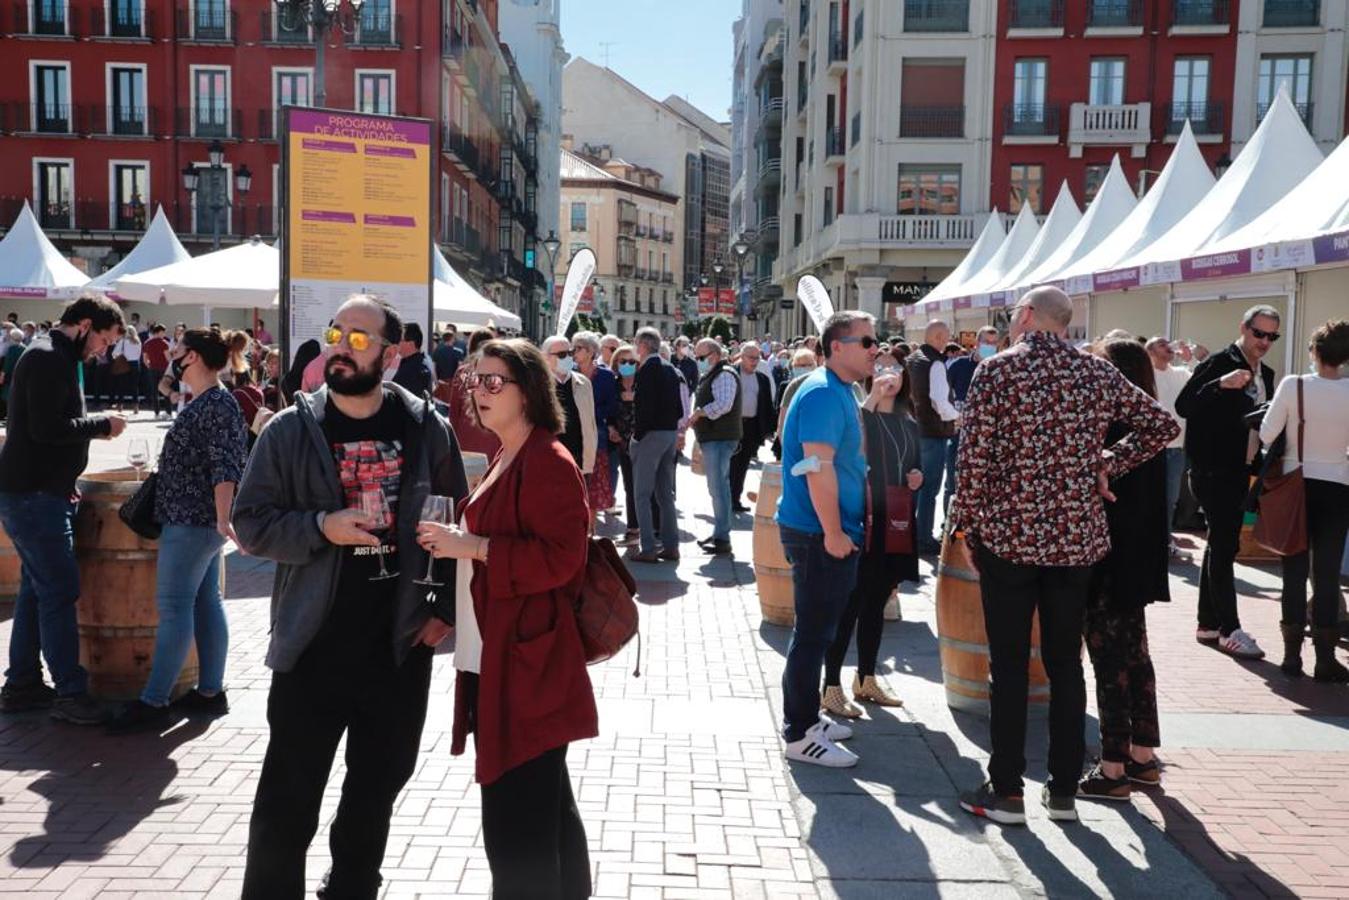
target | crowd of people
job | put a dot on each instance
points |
(1059, 468)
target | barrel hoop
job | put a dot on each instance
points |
(94, 554)
(772, 570)
(119, 631)
(945, 571)
(1035, 691)
(970, 647)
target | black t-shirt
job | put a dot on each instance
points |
(571, 437)
(369, 455)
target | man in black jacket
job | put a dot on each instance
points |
(934, 408)
(1222, 450)
(414, 372)
(46, 450)
(656, 413)
(756, 418)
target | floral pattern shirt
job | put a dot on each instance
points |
(1033, 443)
(206, 446)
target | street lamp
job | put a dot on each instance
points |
(551, 246)
(602, 304)
(741, 249)
(217, 201)
(323, 16)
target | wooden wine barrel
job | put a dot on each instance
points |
(475, 467)
(116, 612)
(9, 563)
(963, 641)
(772, 572)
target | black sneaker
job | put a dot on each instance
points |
(1098, 786)
(1062, 807)
(325, 889)
(138, 716)
(988, 804)
(79, 709)
(716, 548)
(16, 698)
(195, 703)
(1148, 773)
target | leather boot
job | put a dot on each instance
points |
(1292, 649)
(1327, 667)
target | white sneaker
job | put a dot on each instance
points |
(1207, 635)
(1242, 645)
(816, 750)
(830, 730)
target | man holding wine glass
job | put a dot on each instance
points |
(333, 492)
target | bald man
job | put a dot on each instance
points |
(717, 423)
(934, 407)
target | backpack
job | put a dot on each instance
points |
(606, 608)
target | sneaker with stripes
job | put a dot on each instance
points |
(817, 750)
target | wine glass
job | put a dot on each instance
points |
(435, 508)
(138, 454)
(375, 506)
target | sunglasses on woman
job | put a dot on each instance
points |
(489, 382)
(356, 339)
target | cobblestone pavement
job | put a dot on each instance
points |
(685, 793)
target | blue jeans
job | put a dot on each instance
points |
(1175, 471)
(717, 467)
(821, 586)
(653, 471)
(933, 461)
(42, 529)
(188, 598)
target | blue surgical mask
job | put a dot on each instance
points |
(627, 370)
(987, 350)
(704, 367)
(798, 371)
(564, 366)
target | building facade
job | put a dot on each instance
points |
(635, 229)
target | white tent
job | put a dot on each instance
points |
(1279, 155)
(159, 246)
(1062, 219)
(456, 301)
(984, 249)
(1013, 250)
(1182, 184)
(1112, 204)
(240, 277)
(30, 267)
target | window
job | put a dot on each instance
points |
(857, 29)
(1028, 90)
(210, 20)
(1107, 82)
(130, 192)
(49, 16)
(51, 97)
(1292, 71)
(53, 182)
(211, 200)
(126, 95)
(376, 22)
(210, 101)
(578, 216)
(1027, 188)
(290, 87)
(928, 189)
(1095, 175)
(374, 92)
(124, 18)
(828, 206)
(932, 97)
(1189, 91)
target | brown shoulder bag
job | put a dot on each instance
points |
(1281, 524)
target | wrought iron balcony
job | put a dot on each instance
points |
(936, 15)
(1292, 13)
(1030, 120)
(378, 28)
(122, 20)
(1201, 12)
(279, 29)
(1115, 13)
(49, 18)
(838, 52)
(931, 121)
(1304, 110)
(208, 121)
(208, 22)
(1206, 118)
(834, 146)
(1036, 14)
(452, 45)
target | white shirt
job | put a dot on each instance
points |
(1170, 382)
(467, 637)
(939, 392)
(1326, 407)
(128, 348)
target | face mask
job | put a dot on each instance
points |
(798, 371)
(564, 366)
(177, 368)
(987, 350)
(627, 369)
(704, 367)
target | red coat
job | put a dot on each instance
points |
(534, 694)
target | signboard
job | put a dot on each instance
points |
(587, 302)
(712, 302)
(1216, 265)
(906, 292)
(357, 201)
(1116, 280)
(818, 304)
(579, 273)
(1331, 247)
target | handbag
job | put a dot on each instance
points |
(1281, 524)
(606, 606)
(137, 512)
(897, 516)
(120, 366)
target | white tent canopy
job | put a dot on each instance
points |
(1062, 219)
(240, 277)
(1013, 250)
(159, 246)
(1182, 184)
(1279, 155)
(1112, 204)
(31, 267)
(456, 301)
(985, 248)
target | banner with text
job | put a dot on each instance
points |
(716, 302)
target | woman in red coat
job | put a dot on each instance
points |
(522, 687)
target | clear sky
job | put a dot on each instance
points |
(664, 47)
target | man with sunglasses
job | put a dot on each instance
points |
(935, 409)
(1223, 452)
(332, 493)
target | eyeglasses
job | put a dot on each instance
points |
(561, 354)
(701, 358)
(489, 382)
(866, 340)
(356, 340)
(1270, 336)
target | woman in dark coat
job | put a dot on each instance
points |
(1122, 585)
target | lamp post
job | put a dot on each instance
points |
(243, 180)
(741, 249)
(551, 246)
(323, 16)
(717, 268)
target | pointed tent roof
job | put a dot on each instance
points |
(985, 248)
(31, 267)
(1013, 250)
(1279, 155)
(1182, 184)
(1112, 204)
(456, 300)
(1062, 219)
(238, 277)
(159, 246)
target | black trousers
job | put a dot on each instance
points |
(1327, 526)
(748, 451)
(877, 578)
(1126, 686)
(381, 708)
(1011, 594)
(1222, 494)
(533, 834)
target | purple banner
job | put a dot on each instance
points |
(381, 150)
(1116, 280)
(39, 293)
(1219, 265)
(392, 221)
(964, 302)
(323, 215)
(327, 146)
(1331, 247)
(358, 126)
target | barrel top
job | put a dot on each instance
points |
(116, 482)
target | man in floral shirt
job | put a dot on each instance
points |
(1034, 476)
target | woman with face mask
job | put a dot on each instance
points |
(621, 426)
(803, 363)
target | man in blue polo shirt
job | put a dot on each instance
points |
(820, 518)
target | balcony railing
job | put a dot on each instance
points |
(451, 45)
(378, 29)
(1126, 124)
(1114, 13)
(1030, 120)
(457, 145)
(1292, 13)
(1304, 111)
(208, 23)
(1201, 12)
(125, 121)
(834, 145)
(274, 30)
(208, 121)
(122, 20)
(931, 121)
(48, 18)
(55, 214)
(1205, 117)
(639, 273)
(667, 277)
(45, 118)
(936, 15)
(838, 50)
(641, 230)
(1036, 14)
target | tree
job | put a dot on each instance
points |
(692, 329)
(719, 328)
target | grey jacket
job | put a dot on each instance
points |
(291, 476)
